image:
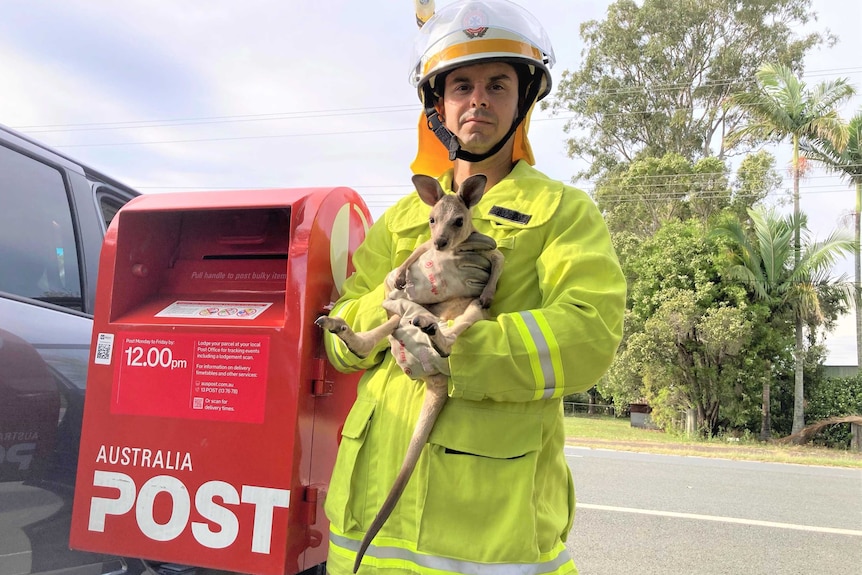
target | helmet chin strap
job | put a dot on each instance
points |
(452, 144)
(450, 140)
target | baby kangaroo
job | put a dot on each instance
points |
(451, 226)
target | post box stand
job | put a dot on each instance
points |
(212, 417)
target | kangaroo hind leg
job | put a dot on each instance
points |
(360, 344)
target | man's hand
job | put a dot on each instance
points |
(414, 354)
(439, 276)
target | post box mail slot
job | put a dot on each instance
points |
(212, 419)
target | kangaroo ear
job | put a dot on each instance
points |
(472, 189)
(428, 189)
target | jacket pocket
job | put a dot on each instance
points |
(480, 500)
(345, 502)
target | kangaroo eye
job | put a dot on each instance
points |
(431, 220)
(459, 222)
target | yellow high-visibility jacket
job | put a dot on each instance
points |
(492, 492)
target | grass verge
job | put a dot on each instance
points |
(603, 432)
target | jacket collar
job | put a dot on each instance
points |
(525, 198)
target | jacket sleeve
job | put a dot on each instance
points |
(360, 305)
(565, 344)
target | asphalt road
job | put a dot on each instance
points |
(665, 514)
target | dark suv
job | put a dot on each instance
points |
(53, 215)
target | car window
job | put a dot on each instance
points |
(38, 252)
(110, 201)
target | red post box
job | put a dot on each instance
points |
(212, 417)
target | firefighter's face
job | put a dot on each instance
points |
(479, 104)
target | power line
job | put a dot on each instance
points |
(649, 186)
(714, 193)
(241, 117)
(623, 197)
(312, 134)
(233, 138)
(339, 112)
(144, 124)
(260, 137)
(395, 108)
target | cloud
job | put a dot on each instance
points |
(112, 55)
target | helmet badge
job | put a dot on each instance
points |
(475, 23)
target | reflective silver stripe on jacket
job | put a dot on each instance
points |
(453, 565)
(543, 352)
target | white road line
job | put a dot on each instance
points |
(773, 524)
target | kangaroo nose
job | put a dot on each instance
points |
(441, 243)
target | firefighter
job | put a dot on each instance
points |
(492, 492)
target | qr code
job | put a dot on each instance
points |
(198, 403)
(104, 349)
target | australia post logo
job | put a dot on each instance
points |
(154, 490)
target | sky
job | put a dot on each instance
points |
(170, 95)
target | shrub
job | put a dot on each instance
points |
(835, 396)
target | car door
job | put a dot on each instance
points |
(44, 346)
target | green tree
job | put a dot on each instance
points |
(783, 106)
(650, 192)
(694, 349)
(655, 73)
(687, 335)
(847, 162)
(765, 261)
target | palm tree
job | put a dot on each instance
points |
(783, 106)
(781, 276)
(847, 162)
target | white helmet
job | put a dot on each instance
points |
(469, 32)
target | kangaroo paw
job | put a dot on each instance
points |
(486, 297)
(401, 278)
(332, 324)
(358, 344)
(426, 323)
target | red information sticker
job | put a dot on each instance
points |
(214, 377)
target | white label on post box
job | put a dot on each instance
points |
(214, 309)
(104, 349)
